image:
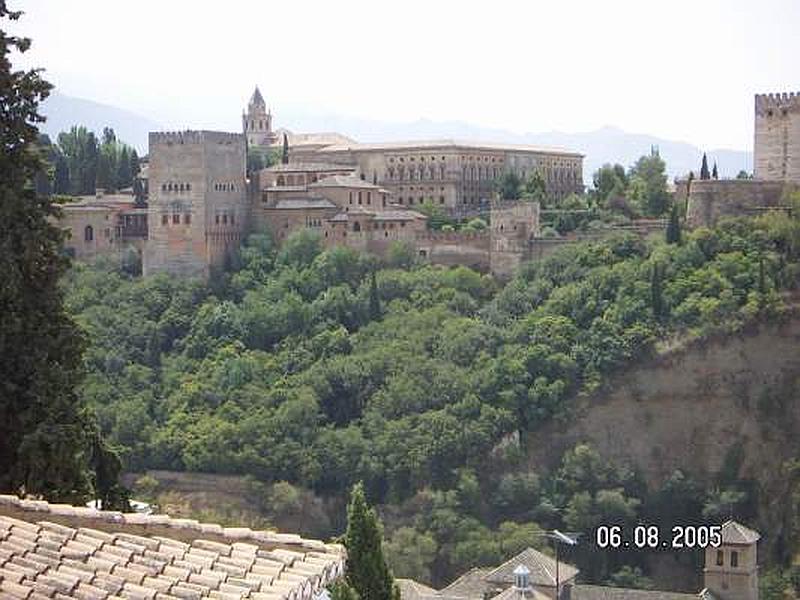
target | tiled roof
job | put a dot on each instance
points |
(304, 167)
(603, 592)
(542, 569)
(414, 590)
(348, 181)
(511, 593)
(736, 533)
(471, 584)
(58, 551)
(398, 215)
(304, 203)
(446, 144)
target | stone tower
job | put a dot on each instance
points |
(731, 571)
(513, 224)
(777, 137)
(257, 122)
(197, 205)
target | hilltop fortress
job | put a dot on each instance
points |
(202, 202)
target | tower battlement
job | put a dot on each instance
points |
(777, 101)
(192, 137)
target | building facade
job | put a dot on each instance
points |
(459, 176)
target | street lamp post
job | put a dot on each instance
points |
(559, 537)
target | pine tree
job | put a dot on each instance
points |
(714, 172)
(374, 299)
(367, 572)
(674, 227)
(285, 154)
(704, 174)
(43, 429)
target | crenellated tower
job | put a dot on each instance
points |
(257, 122)
(777, 137)
(197, 206)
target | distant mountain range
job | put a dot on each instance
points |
(63, 112)
(605, 145)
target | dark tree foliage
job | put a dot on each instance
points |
(285, 152)
(367, 572)
(374, 299)
(657, 290)
(43, 436)
(714, 171)
(509, 186)
(673, 234)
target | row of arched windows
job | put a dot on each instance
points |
(176, 187)
(224, 219)
(175, 219)
(419, 172)
(226, 186)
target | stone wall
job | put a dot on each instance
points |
(777, 137)
(709, 200)
(455, 248)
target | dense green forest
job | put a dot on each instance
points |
(325, 368)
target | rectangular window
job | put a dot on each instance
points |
(734, 559)
(224, 219)
(720, 558)
(216, 219)
(187, 219)
(176, 219)
(164, 220)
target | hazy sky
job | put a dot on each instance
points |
(680, 69)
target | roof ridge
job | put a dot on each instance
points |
(161, 523)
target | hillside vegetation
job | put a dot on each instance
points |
(324, 368)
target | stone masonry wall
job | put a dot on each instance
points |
(777, 137)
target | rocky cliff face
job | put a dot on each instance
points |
(730, 400)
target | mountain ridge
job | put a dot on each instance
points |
(607, 144)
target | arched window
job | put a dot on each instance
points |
(356, 226)
(88, 233)
(281, 180)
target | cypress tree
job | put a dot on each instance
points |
(657, 291)
(714, 172)
(367, 572)
(374, 299)
(285, 153)
(674, 227)
(44, 433)
(704, 173)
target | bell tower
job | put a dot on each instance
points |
(731, 571)
(257, 122)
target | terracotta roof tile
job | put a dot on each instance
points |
(86, 591)
(137, 592)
